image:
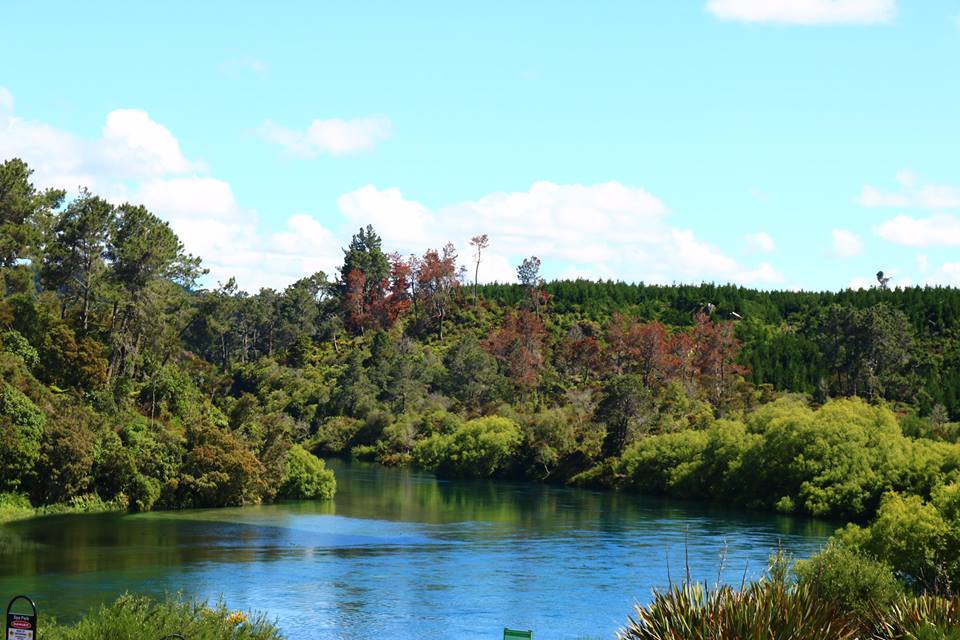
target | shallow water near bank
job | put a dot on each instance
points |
(401, 554)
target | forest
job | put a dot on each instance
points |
(130, 381)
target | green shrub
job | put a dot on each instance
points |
(919, 540)
(850, 580)
(14, 506)
(138, 618)
(480, 448)
(668, 463)
(219, 469)
(307, 477)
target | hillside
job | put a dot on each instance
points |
(123, 378)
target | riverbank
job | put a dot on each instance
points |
(15, 506)
(402, 553)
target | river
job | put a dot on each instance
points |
(401, 554)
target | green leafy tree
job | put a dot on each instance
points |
(21, 432)
(625, 407)
(24, 213)
(471, 374)
(74, 263)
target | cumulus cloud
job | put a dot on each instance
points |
(913, 194)
(135, 145)
(334, 137)
(938, 230)
(241, 249)
(760, 242)
(805, 12)
(139, 160)
(846, 244)
(606, 230)
(131, 146)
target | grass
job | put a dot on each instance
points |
(16, 506)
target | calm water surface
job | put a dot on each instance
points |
(400, 554)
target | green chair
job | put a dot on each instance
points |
(513, 634)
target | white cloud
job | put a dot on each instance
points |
(949, 274)
(906, 177)
(938, 230)
(6, 101)
(860, 283)
(239, 248)
(606, 230)
(846, 244)
(188, 197)
(335, 136)
(874, 198)
(134, 144)
(139, 160)
(805, 12)
(914, 195)
(760, 242)
(405, 222)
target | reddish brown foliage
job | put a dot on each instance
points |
(518, 346)
(641, 348)
(715, 356)
(437, 280)
(580, 354)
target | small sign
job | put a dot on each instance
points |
(21, 626)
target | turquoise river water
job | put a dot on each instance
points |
(401, 554)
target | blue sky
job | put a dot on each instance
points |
(774, 143)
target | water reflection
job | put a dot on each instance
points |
(403, 554)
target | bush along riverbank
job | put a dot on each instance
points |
(136, 618)
(856, 602)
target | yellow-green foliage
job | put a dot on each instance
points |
(138, 618)
(837, 460)
(851, 580)
(480, 448)
(307, 477)
(920, 540)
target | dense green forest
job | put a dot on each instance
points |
(125, 381)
